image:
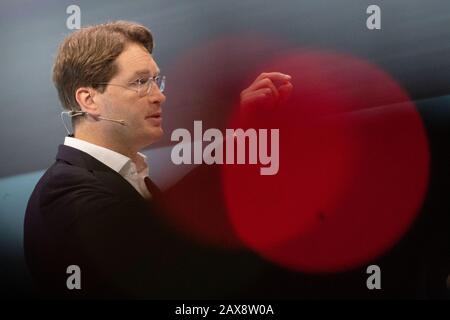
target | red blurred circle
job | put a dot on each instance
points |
(353, 166)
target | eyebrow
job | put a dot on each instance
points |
(146, 72)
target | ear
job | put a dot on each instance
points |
(85, 99)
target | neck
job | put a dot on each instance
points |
(102, 140)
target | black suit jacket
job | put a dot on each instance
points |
(83, 213)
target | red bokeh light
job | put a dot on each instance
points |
(353, 167)
(354, 156)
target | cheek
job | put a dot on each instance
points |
(120, 101)
(137, 110)
(112, 106)
(135, 113)
(125, 108)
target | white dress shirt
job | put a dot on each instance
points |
(134, 173)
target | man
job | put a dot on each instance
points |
(95, 207)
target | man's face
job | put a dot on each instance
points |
(142, 127)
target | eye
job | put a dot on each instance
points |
(141, 81)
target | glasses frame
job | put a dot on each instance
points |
(151, 80)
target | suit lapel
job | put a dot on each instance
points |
(109, 177)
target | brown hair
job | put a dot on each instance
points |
(86, 57)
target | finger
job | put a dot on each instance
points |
(251, 97)
(285, 91)
(257, 100)
(274, 76)
(264, 83)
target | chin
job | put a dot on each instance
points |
(154, 135)
(158, 133)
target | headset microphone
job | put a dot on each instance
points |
(122, 122)
(72, 114)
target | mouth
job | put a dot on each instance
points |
(156, 117)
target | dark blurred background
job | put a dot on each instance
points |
(413, 46)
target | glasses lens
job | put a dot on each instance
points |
(146, 87)
(161, 82)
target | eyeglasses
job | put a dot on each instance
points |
(142, 86)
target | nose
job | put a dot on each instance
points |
(156, 95)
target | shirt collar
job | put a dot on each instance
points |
(116, 161)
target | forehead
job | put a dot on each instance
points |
(135, 59)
